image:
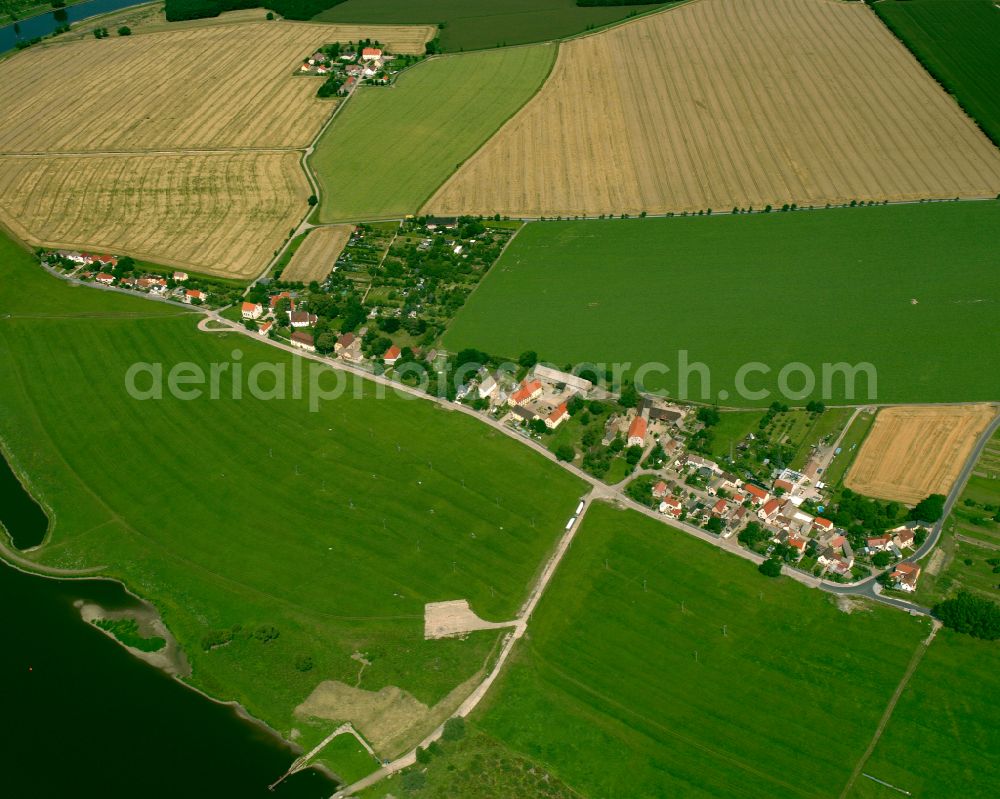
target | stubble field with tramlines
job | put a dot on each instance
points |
(315, 259)
(918, 450)
(179, 146)
(220, 213)
(723, 103)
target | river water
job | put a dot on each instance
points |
(80, 716)
(44, 24)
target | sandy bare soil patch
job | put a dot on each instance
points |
(315, 259)
(221, 213)
(723, 103)
(216, 86)
(455, 617)
(915, 451)
(391, 719)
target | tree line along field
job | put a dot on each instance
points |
(275, 542)
(436, 115)
(476, 25)
(649, 648)
(956, 41)
(815, 287)
(735, 104)
(915, 451)
(315, 259)
(220, 213)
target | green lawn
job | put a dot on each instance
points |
(391, 147)
(333, 527)
(856, 433)
(619, 692)
(817, 287)
(476, 24)
(944, 735)
(956, 40)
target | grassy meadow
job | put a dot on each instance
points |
(658, 666)
(956, 41)
(391, 147)
(816, 287)
(944, 733)
(476, 25)
(274, 541)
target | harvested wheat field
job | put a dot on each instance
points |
(221, 86)
(315, 258)
(221, 213)
(723, 103)
(917, 450)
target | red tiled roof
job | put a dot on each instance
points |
(558, 413)
(250, 306)
(755, 491)
(638, 428)
(826, 524)
(525, 391)
(771, 506)
(392, 353)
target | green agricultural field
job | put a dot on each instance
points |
(478, 24)
(658, 666)
(903, 288)
(944, 734)
(956, 41)
(391, 147)
(274, 541)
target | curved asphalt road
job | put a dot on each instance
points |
(870, 588)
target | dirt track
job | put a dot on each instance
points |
(915, 451)
(723, 103)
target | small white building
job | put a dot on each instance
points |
(252, 310)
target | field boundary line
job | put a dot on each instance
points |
(918, 656)
(548, 74)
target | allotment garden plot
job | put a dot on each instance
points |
(723, 103)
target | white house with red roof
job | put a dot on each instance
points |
(878, 544)
(769, 510)
(193, 294)
(180, 277)
(105, 278)
(302, 318)
(252, 310)
(671, 506)
(266, 327)
(557, 417)
(660, 490)
(823, 525)
(391, 355)
(903, 536)
(303, 340)
(371, 54)
(756, 494)
(721, 509)
(905, 576)
(526, 393)
(637, 432)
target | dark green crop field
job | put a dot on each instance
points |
(477, 24)
(275, 541)
(944, 733)
(956, 41)
(658, 666)
(912, 290)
